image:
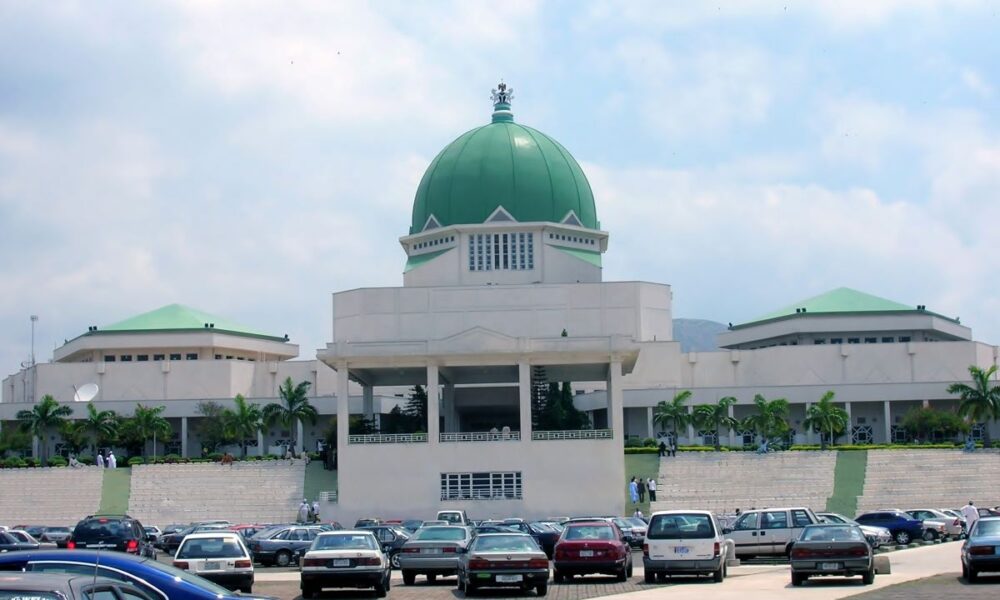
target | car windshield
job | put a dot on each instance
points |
(986, 529)
(445, 533)
(636, 522)
(265, 534)
(345, 541)
(504, 543)
(835, 533)
(57, 529)
(589, 532)
(681, 527)
(450, 517)
(219, 547)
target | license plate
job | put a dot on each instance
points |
(210, 566)
(341, 562)
(431, 551)
(681, 549)
(510, 578)
(829, 566)
(586, 553)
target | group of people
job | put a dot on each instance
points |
(638, 487)
(666, 450)
(308, 513)
(102, 460)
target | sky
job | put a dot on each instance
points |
(251, 158)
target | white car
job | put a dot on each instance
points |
(769, 531)
(219, 556)
(951, 526)
(685, 542)
(345, 559)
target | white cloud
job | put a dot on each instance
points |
(975, 82)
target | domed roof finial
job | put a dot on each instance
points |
(501, 96)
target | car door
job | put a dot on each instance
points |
(744, 534)
(775, 531)
(800, 518)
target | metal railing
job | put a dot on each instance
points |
(387, 438)
(329, 496)
(481, 436)
(580, 434)
(482, 493)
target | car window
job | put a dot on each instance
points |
(345, 541)
(282, 535)
(747, 521)
(77, 569)
(774, 519)
(589, 532)
(99, 528)
(675, 526)
(831, 534)
(219, 547)
(386, 535)
(450, 534)
(505, 543)
(986, 529)
(25, 595)
(100, 593)
(131, 593)
(801, 518)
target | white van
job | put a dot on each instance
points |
(453, 517)
(769, 531)
(684, 542)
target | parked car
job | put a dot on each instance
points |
(769, 531)
(158, 580)
(391, 538)
(828, 549)
(876, 536)
(112, 532)
(684, 542)
(34, 530)
(453, 517)
(433, 551)
(9, 543)
(503, 560)
(367, 522)
(341, 559)
(56, 535)
(903, 527)
(546, 534)
(153, 533)
(979, 552)
(958, 515)
(283, 545)
(587, 547)
(58, 586)
(221, 557)
(489, 527)
(942, 525)
(171, 542)
(23, 536)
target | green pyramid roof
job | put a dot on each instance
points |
(177, 317)
(840, 300)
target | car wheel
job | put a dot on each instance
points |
(283, 558)
(797, 579)
(460, 584)
(622, 575)
(542, 589)
(869, 576)
(930, 535)
(380, 590)
(394, 560)
(719, 574)
(972, 576)
(308, 592)
(431, 577)
(409, 577)
(649, 577)
(470, 588)
(388, 579)
(903, 538)
(628, 570)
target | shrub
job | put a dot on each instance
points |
(649, 443)
(136, 460)
(214, 456)
(14, 462)
(171, 459)
(86, 460)
(58, 461)
(272, 457)
(30, 461)
(640, 450)
(632, 442)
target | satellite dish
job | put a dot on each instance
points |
(85, 393)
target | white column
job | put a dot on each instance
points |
(299, 434)
(887, 416)
(850, 422)
(690, 427)
(616, 414)
(433, 405)
(343, 408)
(261, 451)
(448, 408)
(732, 434)
(808, 430)
(524, 398)
(649, 423)
(184, 437)
(368, 401)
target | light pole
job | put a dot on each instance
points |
(34, 319)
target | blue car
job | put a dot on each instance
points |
(903, 527)
(980, 550)
(159, 581)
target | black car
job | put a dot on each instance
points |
(392, 538)
(282, 546)
(831, 549)
(9, 543)
(53, 586)
(112, 532)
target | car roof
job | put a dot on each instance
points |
(503, 534)
(680, 512)
(12, 580)
(347, 532)
(202, 535)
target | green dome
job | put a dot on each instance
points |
(503, 164)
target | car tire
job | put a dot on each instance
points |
(246, 588)
(622, 575)
(394, 560)
(380, 590)
(902, 538)
(649, 577)
(868, 577)
(470, 589)
(283, 558)
(542, 589)
(972, 575)
(431, 577)
(930, 535)
(409, 577)
(798, 579)
(557, 576)
(308, 592)
(719, 574)
(628, 570)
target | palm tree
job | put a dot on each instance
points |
(243, 422)
(673, 413)
(102, 425)
(823, 417)
(46, 415)
(715, 416)
(979, 402)
(145, 423)
(770, 420)
(294, 407)
(74, 436)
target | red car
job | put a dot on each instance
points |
(592, 547)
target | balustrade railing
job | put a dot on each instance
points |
(580, 434)
(481, 436)
(387, 438)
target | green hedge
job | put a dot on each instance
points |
(636, 449)
(136, 460)
(58, 461)
(640, 450)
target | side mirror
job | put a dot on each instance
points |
(727, 530)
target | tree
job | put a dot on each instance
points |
(924, 423)
(243, 422)
(715, 416)
(572, 419)
(673, 413)
(771, 418)
(823, 417)
(146, 423)
(293, 408)
(539, 397)
(74, 436)
(101, 426)
(416, 409)
(213, 428)
(979, 402)
(42, 418)
(13, 439)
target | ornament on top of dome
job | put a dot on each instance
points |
(501, 97)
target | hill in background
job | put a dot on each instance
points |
(697, 335)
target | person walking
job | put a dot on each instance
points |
(663, 449)
(100, 460)
(641, 484)
(304, 510)
(315, 510)
(651, 486)
(112, 461)
(971, 514)
(633, 491)
(638, 514)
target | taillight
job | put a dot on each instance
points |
(645, 550)
(180, 564)
(132, 546)
(448, 550)
(478, 563)
(799, 553)
(371, 561)
(538, 563)
(71, 545)
(559, 552)
(716, 550)
(243, 564)
(955, 523)
(858, 551)
(410, 550)
(313, 562)
(981, 550)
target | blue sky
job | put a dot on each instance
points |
(250, 158)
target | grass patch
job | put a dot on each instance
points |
(318, 479)
(848, 482)
(639, 465)
(116, 487)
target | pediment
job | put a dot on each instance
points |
(431, 223)
(571, 219)
(500, 215)
(477, 340)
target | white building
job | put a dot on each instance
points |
(502, 293)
